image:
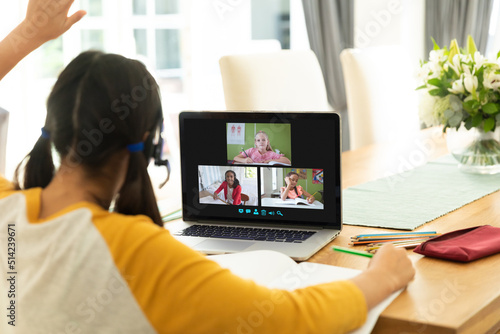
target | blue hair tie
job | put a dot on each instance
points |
(139, 147)
(45, 134)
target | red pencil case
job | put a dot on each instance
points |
(463, 245)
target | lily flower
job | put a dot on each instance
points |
(470, 81)
(457, 87)
(437, 56)
(479, 60)
(491, 80)
(456, 64)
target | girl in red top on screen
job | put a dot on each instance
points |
(292, 190)
(261, 153)
(231, 187)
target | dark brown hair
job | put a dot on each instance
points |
(100, 104)
(236, 181)
(290, 174)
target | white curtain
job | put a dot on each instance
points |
(209, 175)
(449, 19)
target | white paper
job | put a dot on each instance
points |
(276, 270)
(236, 133)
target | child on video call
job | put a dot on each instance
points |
(231, 187)
(292, 190)
(261, 153)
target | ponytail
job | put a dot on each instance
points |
(39, 168)
(136, 195)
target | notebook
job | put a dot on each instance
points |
(275, 270)
(230, 206)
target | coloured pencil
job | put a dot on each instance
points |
(351, 251)
(365, 242)
(392, 234)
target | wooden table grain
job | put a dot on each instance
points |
(445, 296)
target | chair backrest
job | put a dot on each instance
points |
(4, 125)
(244, 198)
(381, 97)
(278, 81)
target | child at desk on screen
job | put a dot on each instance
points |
(292, 190)
(261, 153)
(122, 271)
(231, 187)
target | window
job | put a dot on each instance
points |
(166, 7)
(92, 39)
(141, 42)
(168, 55)
(139, 7)
(50, 59)
(250, 172)
(274, 179)
(93, 7)
(271, 20)
(156, 28)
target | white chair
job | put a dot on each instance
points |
(4, 124)
(381, 97)
(278, 81)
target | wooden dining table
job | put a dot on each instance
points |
(444, 296)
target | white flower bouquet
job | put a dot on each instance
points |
(462, 87)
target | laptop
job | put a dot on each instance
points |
(236, 167)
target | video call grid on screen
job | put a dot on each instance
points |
(211, 141)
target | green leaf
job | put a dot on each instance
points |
(448, 113)
(482, 94)
(476, 120)
(436, 46)
(491, 108)
(498, 54)
(435, 92)
(471, 106)
(421, 87)
(489, 124)
(455, 120)
(435, 82)
(468, 123)
(471, 46)
(454, 49)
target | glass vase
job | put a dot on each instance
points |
(475, 150)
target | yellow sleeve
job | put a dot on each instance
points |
(181, 291)
(6, 187)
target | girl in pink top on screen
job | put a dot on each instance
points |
(231, 187)
(292, 190)
(261, 153)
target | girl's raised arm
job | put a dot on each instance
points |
(45, 20)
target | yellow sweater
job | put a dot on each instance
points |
(86, 270)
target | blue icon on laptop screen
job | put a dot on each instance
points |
(248, 211)
(241, 210)
(279, 213)
(256, 212)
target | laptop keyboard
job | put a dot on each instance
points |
(246, 233)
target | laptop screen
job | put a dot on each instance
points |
(261, 167)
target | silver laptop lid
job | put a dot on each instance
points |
(237, 165)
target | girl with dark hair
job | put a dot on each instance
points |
(100, 107)
(85, 269)
(293, 190)
(231, 187)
